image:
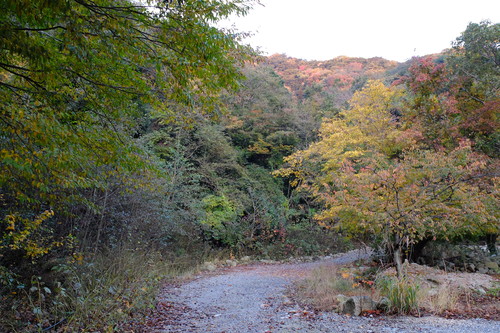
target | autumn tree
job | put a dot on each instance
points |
(475, 64)
(375, 175)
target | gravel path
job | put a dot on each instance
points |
(250, 299)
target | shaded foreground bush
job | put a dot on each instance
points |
(92, 294)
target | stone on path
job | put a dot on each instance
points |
(355, 305)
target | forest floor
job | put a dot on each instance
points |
(256, 298)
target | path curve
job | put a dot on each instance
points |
(250, 299)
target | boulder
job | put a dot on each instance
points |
(342, 298)
(482, 270)
(491, 265)
(348, 307)
(355, 305)
(383, 304)
(208, 266)
(231, 263)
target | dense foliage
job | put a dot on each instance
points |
(81, 83)
(409, 162)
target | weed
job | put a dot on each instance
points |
(494, 291)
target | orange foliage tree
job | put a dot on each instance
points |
(375, 175)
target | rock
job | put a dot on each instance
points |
(472, 267)
(342, 298)
(348, 307)
(482, 270)
(491, 265)
(231, 263)
(481, 291)
(383, 304)
(246, 259)
(366, 303)
(356, 305)
(208, 266)
(266, 261)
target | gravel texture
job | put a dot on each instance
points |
(251, 299)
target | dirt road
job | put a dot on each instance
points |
(251, 298)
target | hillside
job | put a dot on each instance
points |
(341, 73)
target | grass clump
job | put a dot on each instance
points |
(402, 293)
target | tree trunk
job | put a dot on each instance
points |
(101, 221)
(398, 260)
(491, 243)
(416, 249)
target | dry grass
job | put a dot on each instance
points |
(440, 299)
(442, 292)
(107, 289)
(320, 290)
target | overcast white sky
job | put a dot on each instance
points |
(392, 29)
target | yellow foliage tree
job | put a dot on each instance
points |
(372, 177)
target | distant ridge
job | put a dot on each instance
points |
(341, 73)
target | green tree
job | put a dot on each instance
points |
(76, 77)
(262, 119)
(475, 64)
(476, 57)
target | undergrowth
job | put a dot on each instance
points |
(445, 298)
(326, 282)
(404, 295)
(94, 294)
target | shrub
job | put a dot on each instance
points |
(93, 293)
(401, 292)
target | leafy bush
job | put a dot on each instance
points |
(220, 223)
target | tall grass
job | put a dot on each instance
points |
(402, 293)
(112, 287)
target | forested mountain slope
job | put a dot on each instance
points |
(138, 141)
(342, 73)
